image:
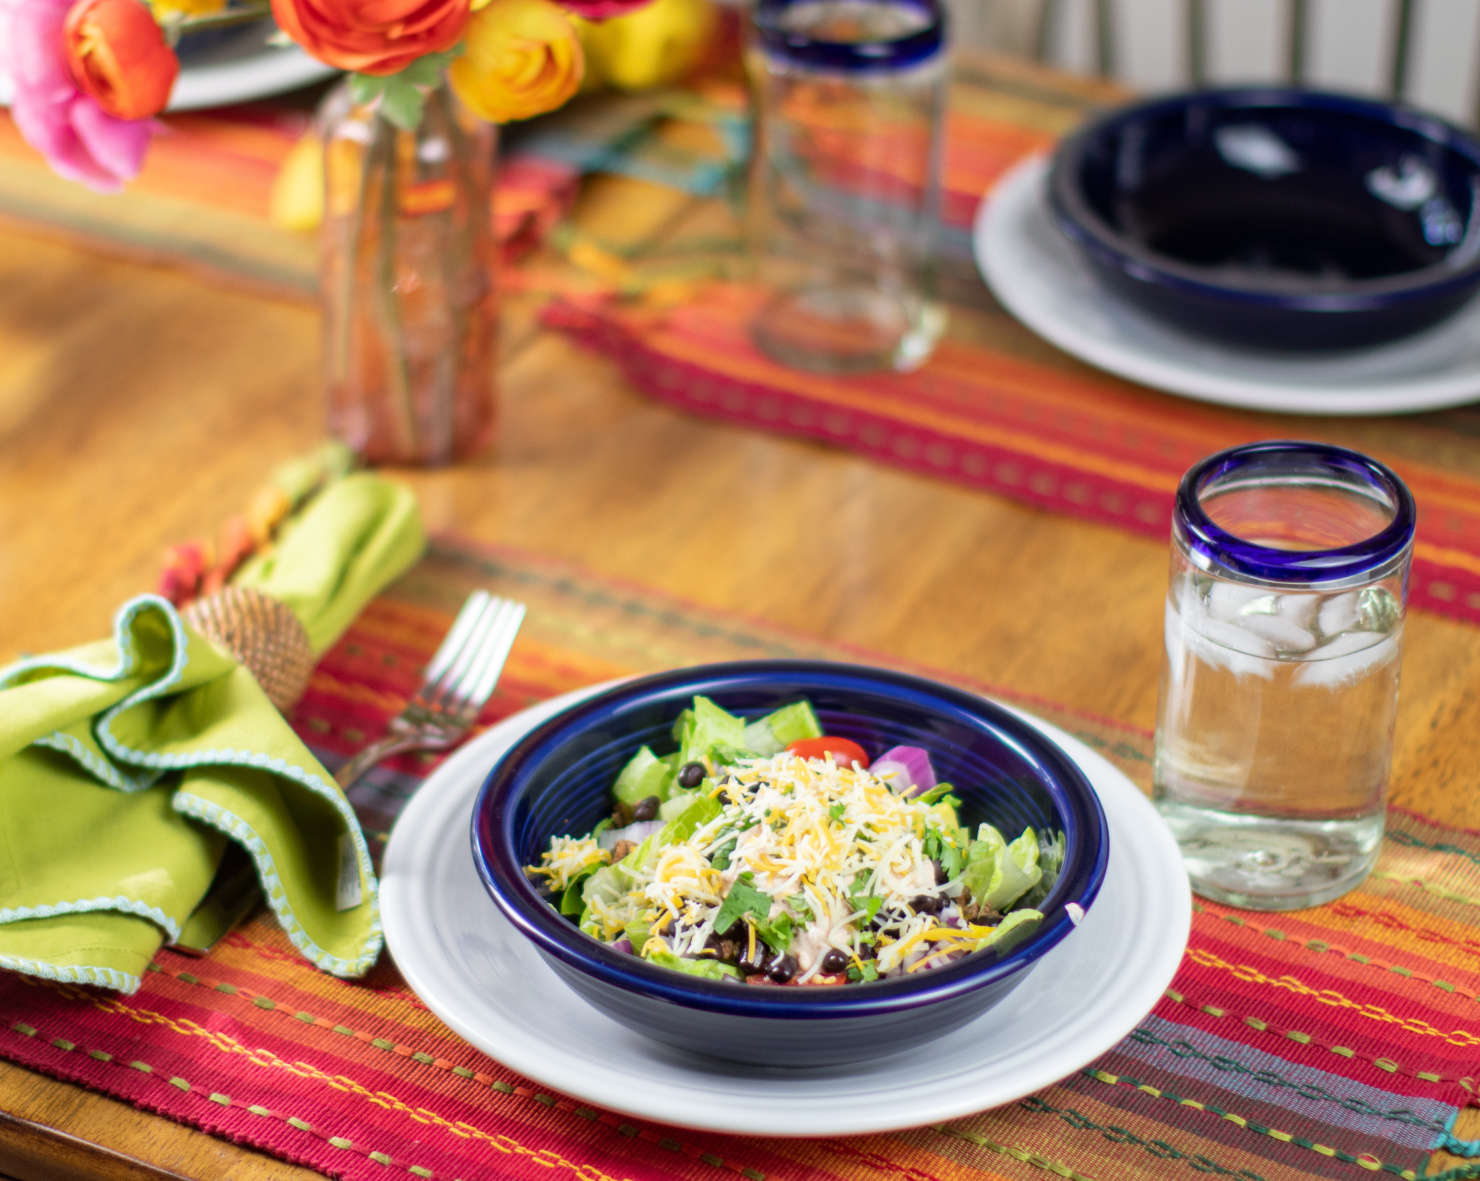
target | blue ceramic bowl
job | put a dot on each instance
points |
(557, 781)
(1280, 218)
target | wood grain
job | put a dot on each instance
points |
(139, 407)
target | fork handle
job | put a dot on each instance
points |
(372, 755)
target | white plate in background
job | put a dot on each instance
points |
(1044, 280)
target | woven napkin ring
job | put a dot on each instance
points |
(263, 634)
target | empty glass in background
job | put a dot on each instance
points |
(1284, 628)
(845, 182)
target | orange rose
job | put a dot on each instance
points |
(118, 56)
(372, 36)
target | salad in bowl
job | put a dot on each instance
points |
(768, 852)
(757, 876)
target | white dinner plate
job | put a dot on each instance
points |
(1044, 280)
(232, 66)
(470, 966)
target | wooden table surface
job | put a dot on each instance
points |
(140, 407)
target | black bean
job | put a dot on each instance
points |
(940, 870)
(692, 774)
(760, 962)
(927, 904)
(782, 968)
(834, 961)
(867, 951)
(646, 809)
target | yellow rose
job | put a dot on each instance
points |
(166, 11)
(650, 47)
(520, 58)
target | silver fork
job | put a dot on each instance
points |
(455, 687)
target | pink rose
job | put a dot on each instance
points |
(79, 140)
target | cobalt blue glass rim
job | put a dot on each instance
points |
(893, 54)
(1216, 549)
(1078, 220)
(497, 861)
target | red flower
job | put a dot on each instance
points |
(118, 56)
(600, 10)
(372, 36)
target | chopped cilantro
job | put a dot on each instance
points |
(867, 972)
(800, 904)
(743, 899)
(836, 812)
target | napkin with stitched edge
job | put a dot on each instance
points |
(128, 765)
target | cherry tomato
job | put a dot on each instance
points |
(844, 751)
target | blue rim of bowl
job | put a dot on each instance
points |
(497, 865)
(1082, 225)
(896, 53)
(1215, 547)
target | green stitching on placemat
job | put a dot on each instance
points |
(1366, 1160)
(1412, 842)
(1118, 1135)
(1447, 895)
(1305, 1039)
(1021, 1154)
(1182, 1048)
(421, 1057)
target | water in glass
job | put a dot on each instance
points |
(1274, 734)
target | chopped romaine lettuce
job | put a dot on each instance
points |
(776, 731)
(709, 969)
(1012, 930)
(701, 810)
(711, 734)
(998, 874)
(645, 775)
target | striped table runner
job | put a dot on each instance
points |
(1335, 1042)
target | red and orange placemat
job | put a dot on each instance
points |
(1335, 1042)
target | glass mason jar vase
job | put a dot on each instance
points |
(1284, 630)
(407, 280)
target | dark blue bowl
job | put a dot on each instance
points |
(557, 781)
(1281, 218)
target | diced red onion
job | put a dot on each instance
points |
(624, 945)
(910, 767)
(636, 833)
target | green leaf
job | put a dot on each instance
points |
(743, 899)
(803, 908)
(867, 972)
(401, 105)
(836, 812)
(425, 71)
(777, 932)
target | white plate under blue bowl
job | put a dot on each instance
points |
(233, 66)
(1041, 277)
(480, 976)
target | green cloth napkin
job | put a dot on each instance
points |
(127, 765)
